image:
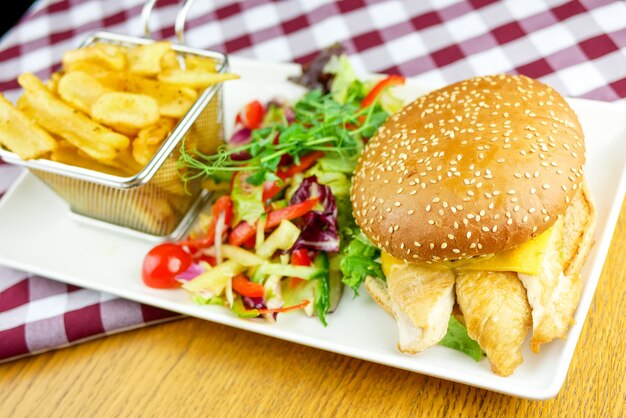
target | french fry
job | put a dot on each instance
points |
(145, 60)
(87, 67)
(127, 163)
(169, 61)
(149, 211)
(125, 112)
(149, 140)
(167, 178)
(196, 79)
(59, 118)
(81, 90)
(173, 101)
(21, 135)
(53, 82)
(67, 153)
(107, 56)
(193, 62)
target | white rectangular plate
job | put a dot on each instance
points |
(38, 235)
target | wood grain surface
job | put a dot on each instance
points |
(196, 368)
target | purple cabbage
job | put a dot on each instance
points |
(319, 228)
(191, 273)
(253, 303)
(241, 137)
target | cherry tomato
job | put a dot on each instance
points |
(163, 263)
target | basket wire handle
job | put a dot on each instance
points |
(179, 23)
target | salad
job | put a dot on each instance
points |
(282, 237)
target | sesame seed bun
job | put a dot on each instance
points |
(474, 168)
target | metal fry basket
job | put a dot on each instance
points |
(155, 201)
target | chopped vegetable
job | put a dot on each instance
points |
(222, 204)
(285, 309)
(385, 83)
(243, 257)
(245, 287)
(322, 287)
(252, 115)
(244, 231)
(212, 282)
(247, 199)
(283, 238)
(319, 231)
(287, 270)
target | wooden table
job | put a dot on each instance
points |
(195, 368)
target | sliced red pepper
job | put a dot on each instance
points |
(251, 115)
(241, 233)
(206, 241)
(244, 231)
(207, 258)
(271, 189)
(245, 287)
(285, 309)
(299, 257)
(392, 80)
(222, 204)
(306, 162)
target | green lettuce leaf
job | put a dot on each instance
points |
(344, 77)
(390, 102)
(457, 339)
(247, 201)
(338, 182)
(359, 261)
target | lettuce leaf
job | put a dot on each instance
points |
(359, 261)
(344, 77)
(458, 339)
(247, 200)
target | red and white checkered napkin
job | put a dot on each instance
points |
(579, 47)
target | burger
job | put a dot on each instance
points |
(475, 194)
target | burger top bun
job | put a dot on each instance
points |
(477, 167)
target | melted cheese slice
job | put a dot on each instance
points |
(527, 258)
